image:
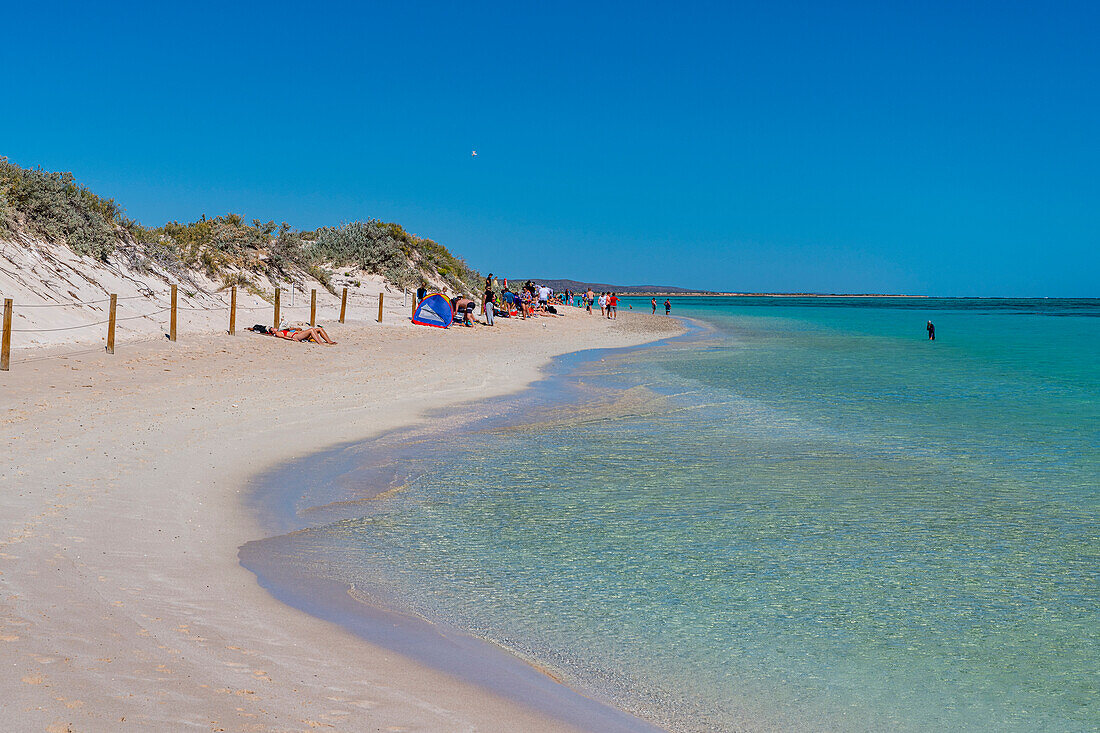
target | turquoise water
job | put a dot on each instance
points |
(803, 516)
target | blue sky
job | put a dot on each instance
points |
(937, 148)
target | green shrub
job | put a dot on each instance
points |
(7, 214)
(370, 245)
(288, 252)
(54, 207)
(405, 277)
(238, 279)
(212, 262)
(322, 276)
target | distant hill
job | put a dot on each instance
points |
(578, 285)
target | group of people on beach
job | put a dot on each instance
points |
(608, 302)
(499, 299)
(535, 299)
(531, 300)
(668, 305)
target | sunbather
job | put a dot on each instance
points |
(317, 335)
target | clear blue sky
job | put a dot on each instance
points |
(941, 148)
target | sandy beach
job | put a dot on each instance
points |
(124, 605)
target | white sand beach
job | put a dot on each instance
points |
(124, 605)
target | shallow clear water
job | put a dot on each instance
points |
(803, 516)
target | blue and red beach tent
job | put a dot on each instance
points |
(433, 310)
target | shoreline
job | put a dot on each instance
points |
(125, 599)
(290, 507)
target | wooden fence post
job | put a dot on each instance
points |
(380, 307)
(343, 304)
(111, 324)
(172, 323)
(233, 311)
(5, 343)
(277, 291)
(313, 308)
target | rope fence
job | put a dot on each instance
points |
(112, 320)
(87, 325)
(77, 302)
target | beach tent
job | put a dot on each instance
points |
(434, 310)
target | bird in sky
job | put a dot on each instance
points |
(473, 154)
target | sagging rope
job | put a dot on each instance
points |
(224, 306)
(87, 325)
(76, 302)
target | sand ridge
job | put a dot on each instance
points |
(120, 517)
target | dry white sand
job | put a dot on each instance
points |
(123, 605)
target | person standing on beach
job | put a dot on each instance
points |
(488, 290)
(488, 305)
(612, 306)
(588, 298)
(668, 306)
(653, 302)
(931, 328)
(603, 304)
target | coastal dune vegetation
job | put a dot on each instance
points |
(40, 207)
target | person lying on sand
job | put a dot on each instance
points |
(317, 334)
